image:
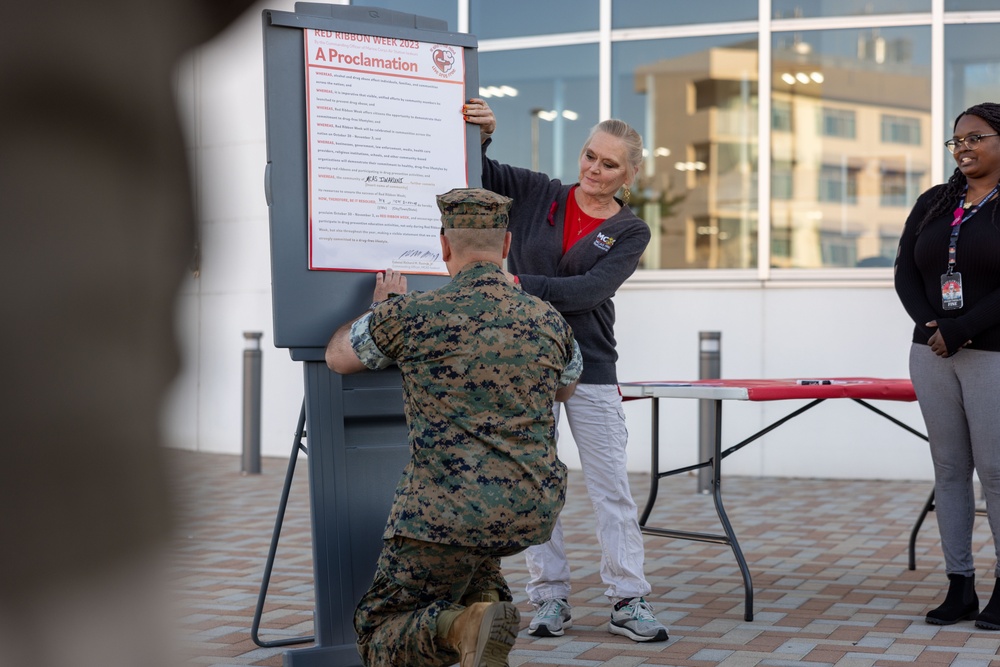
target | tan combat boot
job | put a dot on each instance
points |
(484, 633)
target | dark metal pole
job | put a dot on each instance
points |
(709, 368)
(251, 403)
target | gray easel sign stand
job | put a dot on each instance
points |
(355, 426)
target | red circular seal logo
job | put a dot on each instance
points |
(443, 60)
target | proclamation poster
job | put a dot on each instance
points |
(386, 135)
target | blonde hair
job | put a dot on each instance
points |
(628, 136)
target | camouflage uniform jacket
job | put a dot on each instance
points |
(481, 361)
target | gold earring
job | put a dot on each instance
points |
(626, 194)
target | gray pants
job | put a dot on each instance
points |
(961, 408)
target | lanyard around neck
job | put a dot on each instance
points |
(961, 215)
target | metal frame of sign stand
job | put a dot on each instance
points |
(297, 446)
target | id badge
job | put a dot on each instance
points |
(951, 291)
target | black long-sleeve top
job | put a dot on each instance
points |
(923, 258)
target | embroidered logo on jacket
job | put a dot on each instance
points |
(604, 242)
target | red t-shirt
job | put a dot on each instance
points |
(577, 224)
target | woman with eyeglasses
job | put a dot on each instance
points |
(948, 279)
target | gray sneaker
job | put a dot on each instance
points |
(633, 618)
(551, 617)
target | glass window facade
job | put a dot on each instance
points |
(901, 130)
(490, 19)
(970, 5)
(850, 137)
(694, 100)
(971, 72)
(794, 9)
(643, 13)
(899, 187)
(545, 102)
(859, 104)
(838, 123)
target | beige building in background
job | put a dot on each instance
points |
(850, 153)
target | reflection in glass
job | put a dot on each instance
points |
(694, 101)
(850, 143)
(440, 9)
(970, 5)
(788, 9)
(972, 73)
(491, 19)
(643, 13)
(545, 101)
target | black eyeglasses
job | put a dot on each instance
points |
(970, 141)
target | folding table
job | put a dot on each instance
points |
(859, 389)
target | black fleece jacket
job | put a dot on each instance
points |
(580, 283)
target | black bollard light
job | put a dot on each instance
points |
(709, 368)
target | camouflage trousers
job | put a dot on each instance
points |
(396, 620)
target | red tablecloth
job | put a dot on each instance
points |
(804, 388)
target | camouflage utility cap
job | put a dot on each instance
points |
(473, 208)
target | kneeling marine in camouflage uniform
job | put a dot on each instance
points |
(482, 363)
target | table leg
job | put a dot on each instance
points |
(720, 510)
(729, 538)
(654, 474)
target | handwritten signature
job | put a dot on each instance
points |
(420, 255)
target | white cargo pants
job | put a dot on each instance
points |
(597, 422)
